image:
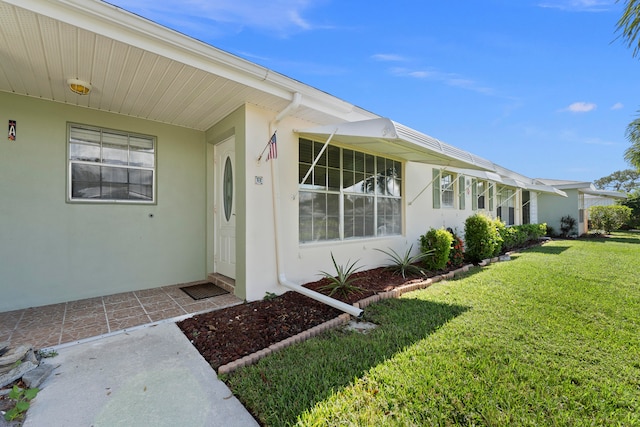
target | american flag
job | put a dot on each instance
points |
(273, 147)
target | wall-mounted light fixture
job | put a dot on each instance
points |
(78, 86)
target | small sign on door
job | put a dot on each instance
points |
(12, 130)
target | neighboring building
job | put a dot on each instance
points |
(154, 171)
(580, 197)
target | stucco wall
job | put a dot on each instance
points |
(303, 262)
(552, 208)
(232, 125)
(53, 251)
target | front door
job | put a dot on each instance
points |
(225, 208)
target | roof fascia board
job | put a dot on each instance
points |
(123, 26)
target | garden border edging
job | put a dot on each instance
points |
(341, 319)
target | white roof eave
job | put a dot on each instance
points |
(604, 193)
(120, 25)
(546, 189)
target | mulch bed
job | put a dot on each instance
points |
(226, 335)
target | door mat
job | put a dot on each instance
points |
(204, 290)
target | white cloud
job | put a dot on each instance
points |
(598, 141)
(450, 79)
(579, 5)
(423, 74)
(574, 136)
(617, 106)
(580, 107)
(388, 57)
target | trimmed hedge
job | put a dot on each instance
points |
(436, 245)
(481, 237)
(517, 236)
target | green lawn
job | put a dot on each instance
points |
(549, 338)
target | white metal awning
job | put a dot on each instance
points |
(387, 137)
(546, 189)
(483, 175)
(511, 182)
(533, 187)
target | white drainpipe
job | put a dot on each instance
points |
(275, 193)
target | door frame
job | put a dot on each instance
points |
(212, 172)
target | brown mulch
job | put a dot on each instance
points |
(226, 335)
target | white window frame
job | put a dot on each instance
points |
(448, 190)
(482, 194)
(130, 155)
(506, 201)
(316, 186)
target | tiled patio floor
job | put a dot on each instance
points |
(74, 321)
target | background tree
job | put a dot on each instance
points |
(633, 202)
(632, 154)
(626, 180)
(629, 29)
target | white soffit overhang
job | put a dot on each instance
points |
(603, 193)
(141, 69)
(386, 137)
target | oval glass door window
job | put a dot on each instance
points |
(227, 188)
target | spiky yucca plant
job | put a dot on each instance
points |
(406, 264)
(343, 282)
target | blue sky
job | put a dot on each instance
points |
(542, 87)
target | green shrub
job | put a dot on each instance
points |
(534, 231)
(567, 225)
(511, 237)
(456, 256)
(436, 244)
(633, 202)
(517, 236)
(609, 218)
(500, 228)
(481, 236)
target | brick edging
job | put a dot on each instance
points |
(340, 320)
(345, 318)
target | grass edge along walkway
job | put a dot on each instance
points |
(550, 338)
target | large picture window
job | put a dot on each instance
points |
(347, 194)
(110, 166)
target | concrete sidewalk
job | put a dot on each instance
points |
(148, 377)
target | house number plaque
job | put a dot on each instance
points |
(12, 130)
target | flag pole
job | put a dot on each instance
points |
(267, 146)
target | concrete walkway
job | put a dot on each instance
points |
(147, 377)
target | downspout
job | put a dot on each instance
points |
(275, 193)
